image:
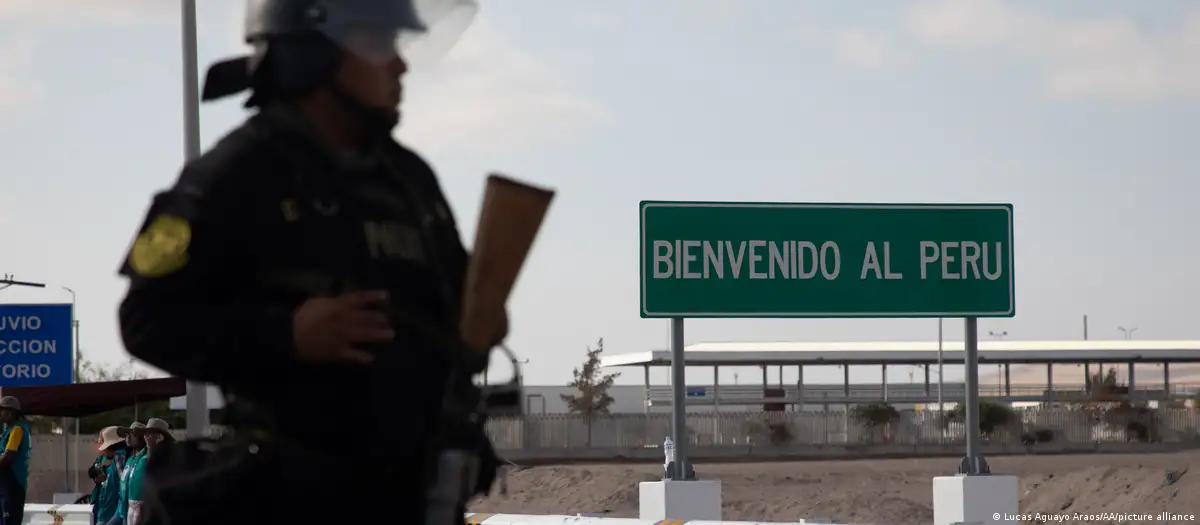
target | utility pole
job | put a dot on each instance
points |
(74, 379)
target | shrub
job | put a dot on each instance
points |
(1139, 423)
(781, 433)
(1037, 435)
(875, 415)
(992, 415)
(762, 432)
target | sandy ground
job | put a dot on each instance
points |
(869, 492)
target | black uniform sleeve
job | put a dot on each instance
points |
(187, 310)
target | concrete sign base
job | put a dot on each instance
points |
(976, 499)
(680, 500)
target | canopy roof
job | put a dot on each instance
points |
(85, 399)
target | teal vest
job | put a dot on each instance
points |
(128, 480)
(95, 499)
(108, 494)
(137, 471)
(20, 463)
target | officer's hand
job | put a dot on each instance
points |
(326, 329)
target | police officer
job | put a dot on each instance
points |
(302, 265)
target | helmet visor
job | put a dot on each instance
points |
(420, 31)
(445, 23)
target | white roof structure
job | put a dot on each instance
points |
(915, 353)
(216, 400)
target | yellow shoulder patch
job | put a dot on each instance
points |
(162, 249)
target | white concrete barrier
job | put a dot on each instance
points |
(43, 514)
(483, 518)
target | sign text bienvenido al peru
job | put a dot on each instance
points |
(710, 259)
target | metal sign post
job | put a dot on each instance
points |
(973, 464)
(941, 385)
(678, 402)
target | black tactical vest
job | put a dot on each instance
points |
(350, 224)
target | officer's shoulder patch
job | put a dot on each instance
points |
(162, 249)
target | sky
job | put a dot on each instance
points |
(1082, 114)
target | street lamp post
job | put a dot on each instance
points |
(1127, 331)
(74, 326)
(999, 367)
(74, 379)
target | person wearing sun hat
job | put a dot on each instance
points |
(106, 473)
(155, 432)
(158, 431)
(136, 450)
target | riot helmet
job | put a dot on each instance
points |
(298, 45)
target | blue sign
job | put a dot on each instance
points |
(695, 392)
(35, 345)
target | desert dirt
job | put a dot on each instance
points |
(867, 492)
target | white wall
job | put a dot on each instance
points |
(627, 399)
(216, 401)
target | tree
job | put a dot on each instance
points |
(93, 372)
(592, 397)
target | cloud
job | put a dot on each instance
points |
(1096, 57)
(867, 49)
(488, 94)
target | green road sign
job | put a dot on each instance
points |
(723, 259)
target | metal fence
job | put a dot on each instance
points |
(548, 432)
